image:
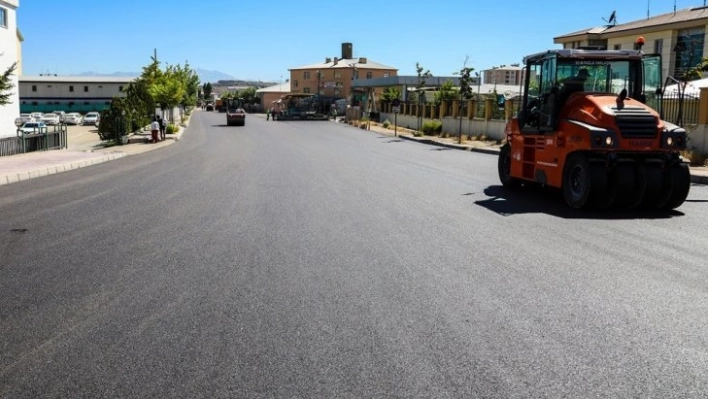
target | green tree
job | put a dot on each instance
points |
(168, 90)
(465, 92)
(190, 82)
(206, 89)
(390, 93)
(447, 92)
(422, 74)
(249, 96)
(6, 84)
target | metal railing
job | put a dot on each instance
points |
(38, 140)
(676, 106)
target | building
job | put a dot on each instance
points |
(269, 95)
(49, 93)
(680, 38)
(10, 53)
(505, 75)
(333, 77)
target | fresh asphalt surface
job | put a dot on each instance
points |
(317, 260)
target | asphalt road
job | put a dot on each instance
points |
(317, 260)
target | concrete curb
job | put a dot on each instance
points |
(699, 179)
(50, 170)
(490, 151)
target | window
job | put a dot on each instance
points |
(386, 74)
(618, 47)
(658, 46)
(71, 88)
(336, 92)
(120, 88)
(295, 84)
(689, 49)
(337, 74)
(34, 87)
(3, 17)
(85, 88)
(369, 74)
(306, 75)
(306, 90)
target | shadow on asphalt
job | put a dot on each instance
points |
(536, 199)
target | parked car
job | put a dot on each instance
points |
(73, 118)
(62, 115)
(34, 127)
(91, 118)
(37, 116)
(51, 119)
(25, 117)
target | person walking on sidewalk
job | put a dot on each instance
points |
(163, 127)
(268, 114)
(155, 129)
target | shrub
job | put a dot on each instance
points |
(386, 124)
(171, 129)
(695, 157)
(431, 128)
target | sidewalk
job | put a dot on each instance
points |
(699, 175)
(85, 149)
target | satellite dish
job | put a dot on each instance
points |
(612, 20)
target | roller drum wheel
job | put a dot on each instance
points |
(630, 180)
(504, 168)
(654, 196)
(679, 181)
(603, 192)
(576, 181)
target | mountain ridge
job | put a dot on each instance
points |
(205, 75)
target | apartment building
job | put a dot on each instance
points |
(48, 93)
(334, 76)
(504, 75)
(680, 38)
(9, 54)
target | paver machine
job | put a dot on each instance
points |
(588, 125)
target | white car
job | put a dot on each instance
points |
(51, 119)
(91, 118)
(37, 116)
(73, 118)
(62, 116)
(26, 117)
(34, 127)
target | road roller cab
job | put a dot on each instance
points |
(588, 124)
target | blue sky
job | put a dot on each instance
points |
(261, 40)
